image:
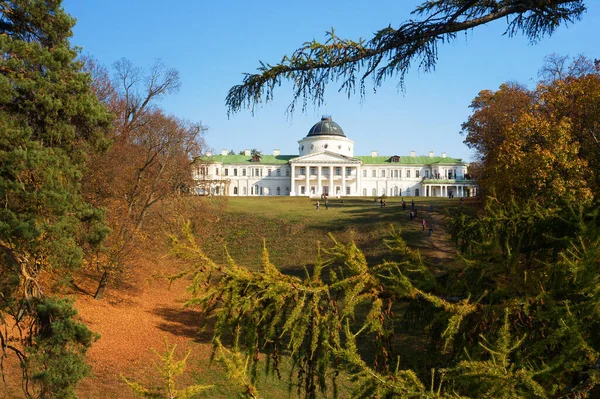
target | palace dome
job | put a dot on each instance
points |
(326, 127)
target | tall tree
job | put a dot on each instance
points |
(391, 51)
(50, 121)
(149, 160)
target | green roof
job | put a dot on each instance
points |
(407, 160)
(367, 160)
(243, 159)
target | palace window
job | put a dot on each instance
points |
(408, 173)
(396, 173)
(287, 191)
(235, 172)
(278, 191)
(226, 172)
(278, 172)
(348, 190)
(217, 171)
(313, 170)
(383, 173)
(244, 173)
(268, 172)
(364, 192)
(245, 190)
(338, 171)
(287, 172)
(302, 170)
(365, 175)
(302, 190)
(416, 192)
(348, 171)
(417, 173)
(235, 191)
(374, 192)
(374, 173)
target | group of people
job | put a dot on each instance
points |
(414, 213)
(381, 202)
(326, 204)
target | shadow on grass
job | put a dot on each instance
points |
(184, 323)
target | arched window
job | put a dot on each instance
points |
(416, 192)
(278, 172)
(235, 191)
(364, 191)
(374, 191)
(245, 190)
(287, 191)
(408, 192)
(278, 190)
(396, 191)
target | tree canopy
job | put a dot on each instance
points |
(540, 143)
(392, 51)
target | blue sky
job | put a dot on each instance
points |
(212, 43)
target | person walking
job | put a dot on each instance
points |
(424, 224)
(317, 205)
(326, 204)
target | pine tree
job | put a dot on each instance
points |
(50, 120)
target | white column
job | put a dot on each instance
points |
(307, 177)
(343, 181)
(319, 190)
(358, 187)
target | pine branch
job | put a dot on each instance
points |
(391, 51)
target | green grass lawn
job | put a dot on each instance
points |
(291, 227)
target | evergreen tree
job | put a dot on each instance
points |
(50, 120)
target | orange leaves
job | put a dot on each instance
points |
(539, 143)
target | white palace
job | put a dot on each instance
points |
(326, 165)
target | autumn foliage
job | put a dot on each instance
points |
(540, 143)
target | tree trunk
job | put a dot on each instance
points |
(101, 286)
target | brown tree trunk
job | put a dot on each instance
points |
(101, 286)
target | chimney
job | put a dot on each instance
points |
(443, 155)
(247, 153)
(224, 152)
(374, 153)
(276, 152)
(208, 153)
(412, 153)
(431, 154)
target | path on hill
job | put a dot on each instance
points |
(437, 248)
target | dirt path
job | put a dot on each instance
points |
(437, 248)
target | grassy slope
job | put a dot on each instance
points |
(139, 313)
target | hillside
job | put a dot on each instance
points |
(142, 311)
